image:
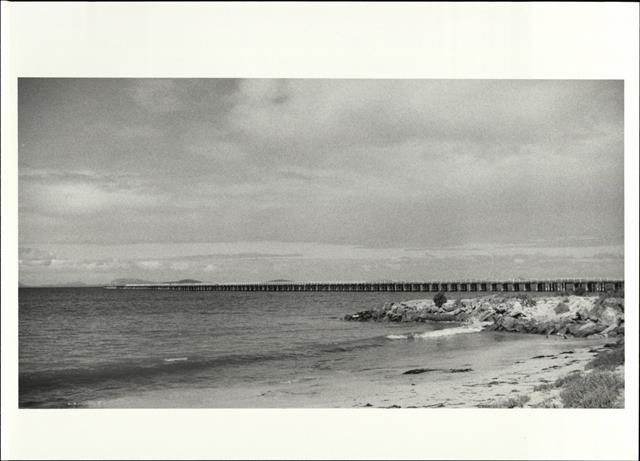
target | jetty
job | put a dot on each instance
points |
(473, 286)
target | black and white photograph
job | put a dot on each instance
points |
(280, 243)
(332, 230)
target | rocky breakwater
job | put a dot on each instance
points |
(577, 316)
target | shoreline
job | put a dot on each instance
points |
(494, 360)
(508, 370)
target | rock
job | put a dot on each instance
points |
(360, 316)
(521, 326)
(431, 309)
(444, 317)
(611, 316)
(573, 328)
(508, 323)
(517, 310)
(501, 308)
(593, 316)
(486, 316)
(447, 307)
(588, 328)
(387, 307)
(561, 308)
(417, 371)
(394, 317)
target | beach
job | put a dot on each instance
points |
(499, 374)
(298, 350)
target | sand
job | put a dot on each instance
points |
(512, 369)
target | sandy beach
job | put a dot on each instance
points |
(454, 382)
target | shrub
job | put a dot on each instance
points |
(561, 307)
(512, 402)
(544, 387)
(593, 390)
(568, 379)
(608, 360)
(551, 402)
(439, 299)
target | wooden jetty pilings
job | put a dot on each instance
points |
(475, 286)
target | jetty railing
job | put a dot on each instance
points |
(472, 286)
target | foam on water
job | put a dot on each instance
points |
(472, 328)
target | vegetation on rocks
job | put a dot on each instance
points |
(439, 299)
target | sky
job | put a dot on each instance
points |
(230, 180)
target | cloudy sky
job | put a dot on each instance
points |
(250, 180)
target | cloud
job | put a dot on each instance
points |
(34, 257)
(322, 115)
(82, 192)
(148, 265)
(342, 164)
(314, 262)
(157, 96)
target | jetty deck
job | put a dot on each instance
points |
(475, 286)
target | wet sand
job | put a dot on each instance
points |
(510, 369)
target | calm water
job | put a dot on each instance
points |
(79, 345)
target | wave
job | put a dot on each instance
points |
(132, 371)
(473, 328)
(145, 369)
(180, 367)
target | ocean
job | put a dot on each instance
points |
(85, 347)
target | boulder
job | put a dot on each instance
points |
(611, 316)
(387, 306)
(521, 325)
(573, 327)
(516, 310)
(449, 307)
(501, 308)
(444, 317)
(394, 317)
(485, 316)
(360, 316)
(508, 323)
(430, 308)
(587, 329)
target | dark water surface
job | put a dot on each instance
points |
(83, 346)
(79, 344)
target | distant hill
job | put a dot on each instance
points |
(185, 281)
(127, 281)
(60, 285)
(279, 281)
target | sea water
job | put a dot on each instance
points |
(79, 345)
